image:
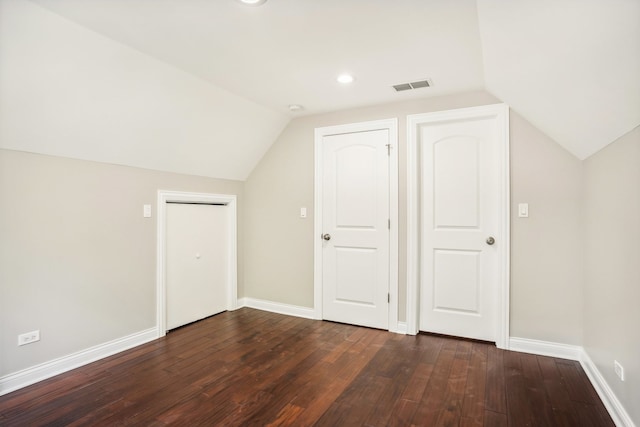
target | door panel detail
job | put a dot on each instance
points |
(356, 271)
(356, 204)
(456, 182)
(456, 281)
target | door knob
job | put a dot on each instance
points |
(490, 240)
(326, 236)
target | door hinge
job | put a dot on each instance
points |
(388, 149)
(388, 297)
(389, 224)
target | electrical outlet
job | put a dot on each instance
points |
(29, 337)
(619, 370)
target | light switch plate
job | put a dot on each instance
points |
(147, 211)
(523, 210)
(303, 212)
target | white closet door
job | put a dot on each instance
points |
(196, 262)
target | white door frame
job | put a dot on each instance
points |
(392, 126)
(165, 197)
(501, 113)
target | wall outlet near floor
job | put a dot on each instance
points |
(619, 370)
(28, 338)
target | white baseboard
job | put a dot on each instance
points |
(573, 352)
(401, 329)
(620, 416)
(277, 307)
(20, 379)
(545, 348)
(295, 310)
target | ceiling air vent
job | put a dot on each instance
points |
(413, 85)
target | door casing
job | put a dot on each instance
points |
(392, 126)
(501, 113)
(164, 197)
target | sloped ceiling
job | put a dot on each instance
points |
(570, 67)
(290, 51)
(70, 92)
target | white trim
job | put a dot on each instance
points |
(165, 196)
(392, 126)
(545, 348)
(413, 228)
(619, 415)
(504, 291)
(295, 310)
(317, 227)
(26, 377)
(394, 218)
(501, 112)
(278, 307)
(402, 328)
(239, 304)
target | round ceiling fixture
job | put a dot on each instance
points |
(295, 108)
(252, 2)
(345, 79)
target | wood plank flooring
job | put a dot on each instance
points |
(254, 368)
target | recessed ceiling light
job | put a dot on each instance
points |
(252, 2)
(345, 78)
(295, 107)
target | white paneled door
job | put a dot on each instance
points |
(460, 226)
(355, 227)
(196, 262)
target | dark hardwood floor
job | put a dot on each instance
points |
(250, 367)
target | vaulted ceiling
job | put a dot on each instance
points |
(570, 67)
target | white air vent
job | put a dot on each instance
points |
(413, 85)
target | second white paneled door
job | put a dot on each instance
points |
(355, 227)
(462, 237)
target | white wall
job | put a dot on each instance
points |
(612, 266)
(547, 247)
(77, 258)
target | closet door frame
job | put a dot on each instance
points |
(164, 197)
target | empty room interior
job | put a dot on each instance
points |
(320, 212)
